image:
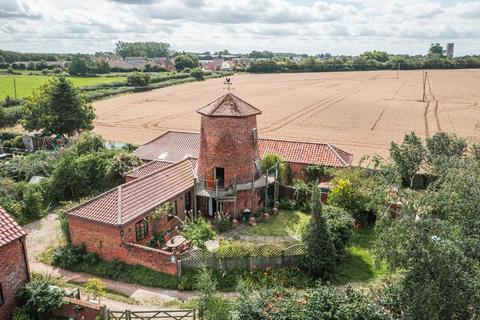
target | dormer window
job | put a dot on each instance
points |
(255, 135)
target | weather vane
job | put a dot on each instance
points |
(228, 83)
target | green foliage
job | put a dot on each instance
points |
(320, 255)
(185, 61)
(81, 65)
(269, 161)
(197, 73)
(57, 108)
(340, 226)
(39, 163)
(116, 270)
(198, 231)
(142, 49)
(87, 143)
(64, 226)
(41, 298)
(408, 156)
(436, 49)
(20, 313)
(77, 176)
(302, 195)
(138, 79)
(289, 175)
(121, 163)
(96, 287)
(319, 303)
(24, 201)
(206, 285)
(314, 172)
(441, 146)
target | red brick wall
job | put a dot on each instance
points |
(88, 311)
(13, 275)
(227, 142)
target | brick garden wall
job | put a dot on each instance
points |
(78, 310)
(13, 275)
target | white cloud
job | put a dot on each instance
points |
(340, 27)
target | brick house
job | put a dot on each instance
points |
(115, 224)
(14, 269)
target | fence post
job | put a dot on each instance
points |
(128, 316)
(103, 312)
(179, 268)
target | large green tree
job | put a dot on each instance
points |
(81, 65)
(185, 61)
(408, 156)
(142, 49)
(320, 255)
(57, 107)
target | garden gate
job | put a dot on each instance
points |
(184, 314)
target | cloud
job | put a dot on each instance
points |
(342, 26)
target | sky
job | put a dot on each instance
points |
(347, 27)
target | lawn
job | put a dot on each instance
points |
(286, 223)
(27, 83)
(359, 265)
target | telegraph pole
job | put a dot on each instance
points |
(398, 70)
(424, 85)
(15, 88)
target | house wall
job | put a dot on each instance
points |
(107, 241)
(227, 142)
(13, 275)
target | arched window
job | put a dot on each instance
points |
(141, 229)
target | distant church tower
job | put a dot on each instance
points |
(228, 161)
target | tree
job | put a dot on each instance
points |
(88, 142)
(197, 73)
(350, 198)
(340, 225)
(206, 285)
(142, 49)
(269, 161)
(184, 61)
(122, 163)
(320, 255)
(442, 144)
(138, 79)
(81, 65)
(408, 156)
(436, 49)
(102, 66)
(41, 298)
(314, 172)
(57, 107)
(198, 231)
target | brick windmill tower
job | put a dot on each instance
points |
(228, 164)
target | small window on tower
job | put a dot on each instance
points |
(255, 135)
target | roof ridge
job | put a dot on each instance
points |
(144, 165)
(248, 103)
(292, 140)
(119, 205)
(336, 153)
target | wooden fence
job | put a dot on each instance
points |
(181, 314)
(261, 257)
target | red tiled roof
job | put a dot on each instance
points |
(10, 230)
(173, 146)
(147, 168)
(133, 199)
(292, 151)
(228, 105)
(305, 152)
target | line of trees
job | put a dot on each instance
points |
(142, 49)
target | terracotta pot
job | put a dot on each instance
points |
(252, 222)
(274, 211)
(266, 217)
(235, 223)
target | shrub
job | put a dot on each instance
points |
(269, 161)
(302, 195)
(197, 73)
(340, 225)
(314, 172)
(287, 204)
(20, 313)
(68, 256)
(138, 79)
(40, 297)
(198, 232)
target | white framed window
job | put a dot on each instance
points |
(255, 134)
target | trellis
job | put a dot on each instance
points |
(182, 314)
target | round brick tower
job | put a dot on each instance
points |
(228, 141)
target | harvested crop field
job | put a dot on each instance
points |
(360, 112)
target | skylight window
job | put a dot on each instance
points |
(163, 156)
